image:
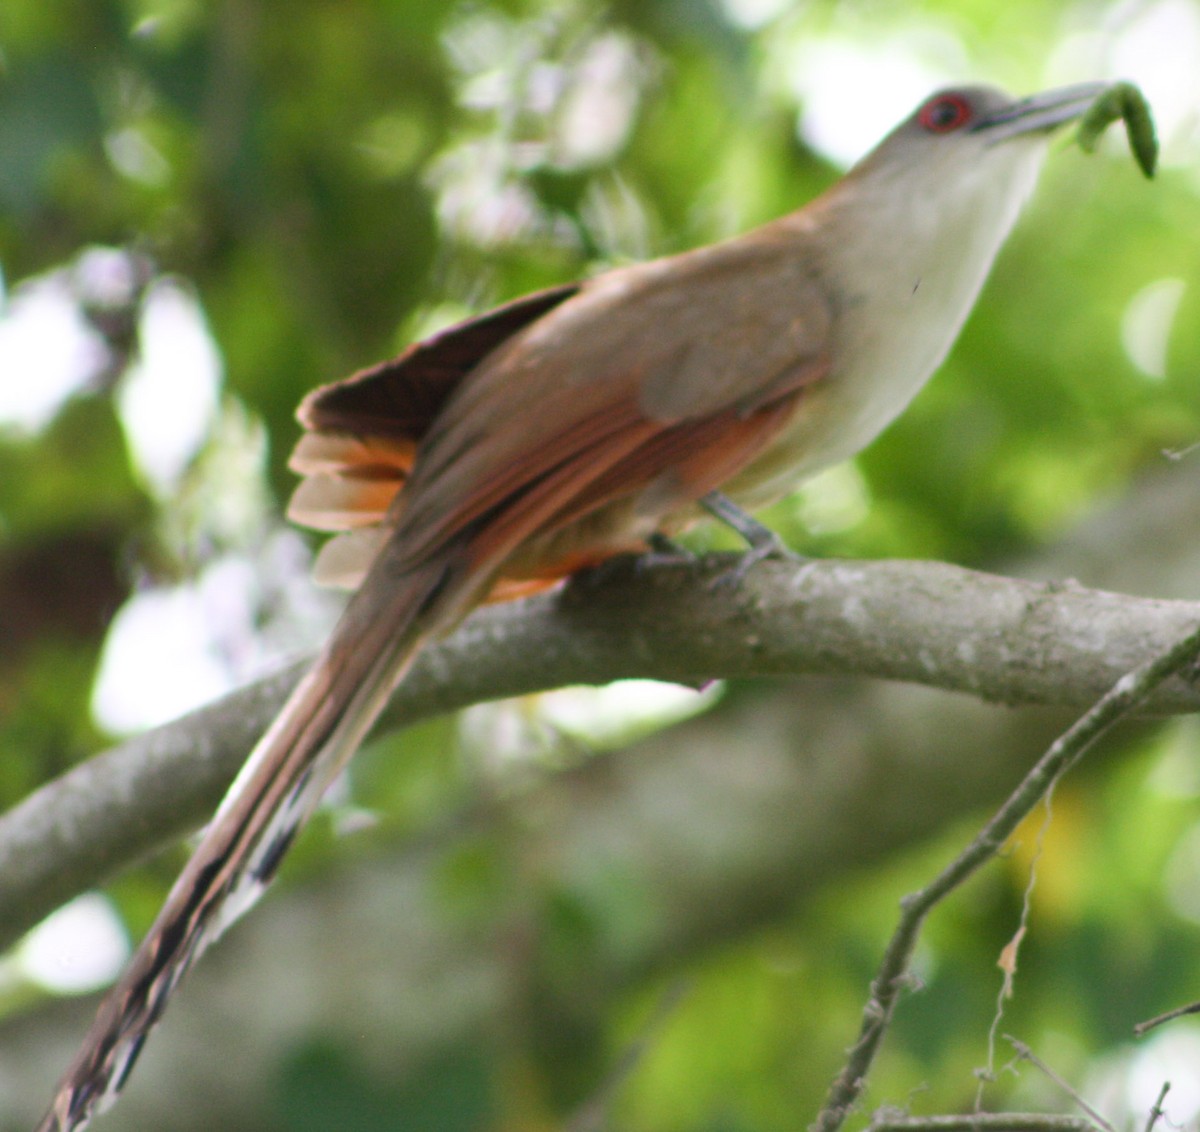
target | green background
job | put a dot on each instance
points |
(332, 179)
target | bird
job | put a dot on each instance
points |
(584, 421)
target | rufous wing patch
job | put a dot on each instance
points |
(402, 396)
(319, 453)
(362, 433)
(344, 560)
(341, 503)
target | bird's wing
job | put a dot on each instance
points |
(660, 381)
(680, 353)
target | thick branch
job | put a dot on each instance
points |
(929, 623)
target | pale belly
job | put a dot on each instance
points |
(837, 418)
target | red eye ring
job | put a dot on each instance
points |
(944, 113)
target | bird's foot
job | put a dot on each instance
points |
(763, 543)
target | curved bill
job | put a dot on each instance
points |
(1040, 113)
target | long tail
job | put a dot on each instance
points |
(316, 732)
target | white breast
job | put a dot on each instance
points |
(904, 274)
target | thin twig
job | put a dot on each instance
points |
(1143, 1028)
(1011, 950)
(982, 1122)
(1026, 1054)
(590, 1116)
(1063, 754)
(1156, 1113)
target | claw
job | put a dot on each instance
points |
(763, 542)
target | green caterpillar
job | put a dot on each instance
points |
(1122, 100)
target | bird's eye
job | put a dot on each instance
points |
(944, 113)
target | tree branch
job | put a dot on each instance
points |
(924, 622)
(982, 1122)
(1126, 694)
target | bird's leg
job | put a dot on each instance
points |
(761, 540)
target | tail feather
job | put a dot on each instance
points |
(317, 731)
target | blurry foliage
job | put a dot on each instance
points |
(332, 178)
(323, 1087)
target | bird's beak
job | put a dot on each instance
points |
(1039, 113)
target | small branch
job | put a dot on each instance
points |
(1143, 1028)
(1011, 950)
(982, 1122)
(1026, 1054)
(1126, 694)
(1156, 1112)
(592, 1114)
